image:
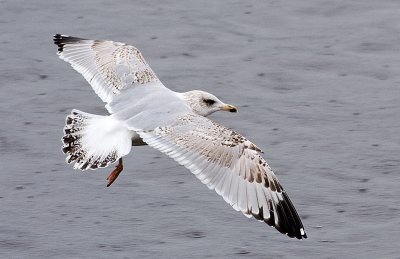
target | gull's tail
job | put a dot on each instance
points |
(93, 141)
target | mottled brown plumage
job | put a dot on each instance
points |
(144, 111)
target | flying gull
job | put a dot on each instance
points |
(145, 112)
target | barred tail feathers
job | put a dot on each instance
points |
(94, 141)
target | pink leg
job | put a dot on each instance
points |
(114, 174)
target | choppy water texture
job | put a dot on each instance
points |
(318, 85)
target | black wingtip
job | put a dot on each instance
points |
(61, 40)
(290, 223)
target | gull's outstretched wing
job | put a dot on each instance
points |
(109, 67)
(227, 162)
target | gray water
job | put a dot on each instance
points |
(318, 87)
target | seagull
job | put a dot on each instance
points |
(145, 112)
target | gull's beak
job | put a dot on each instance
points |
(229, 108)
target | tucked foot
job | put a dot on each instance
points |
(114, 174)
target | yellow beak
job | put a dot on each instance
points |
(229, 108)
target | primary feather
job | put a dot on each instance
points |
(144, 111)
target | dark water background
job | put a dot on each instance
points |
(318, 85)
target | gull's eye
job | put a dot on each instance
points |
(209, 102)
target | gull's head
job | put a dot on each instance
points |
(204, 103)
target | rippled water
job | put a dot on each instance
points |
(317, 83)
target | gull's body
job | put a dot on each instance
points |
(144, 112)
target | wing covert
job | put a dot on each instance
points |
(231, 165)
(109, 67)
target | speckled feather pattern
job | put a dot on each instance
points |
(220, 158)
(231, 165)
(108, 66)
(78, 147)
